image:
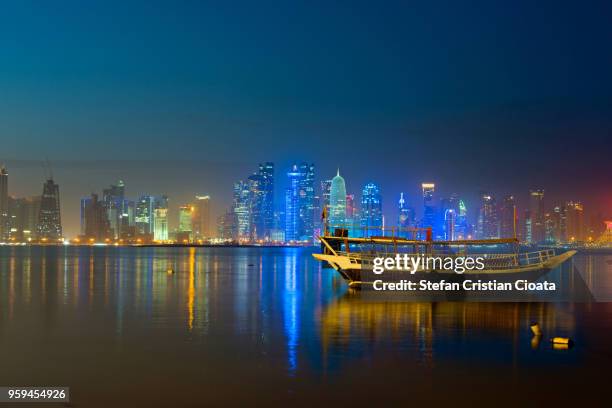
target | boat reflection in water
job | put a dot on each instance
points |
(354, 316)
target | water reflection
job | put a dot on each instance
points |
(271, 314)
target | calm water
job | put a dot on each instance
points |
(247, 325)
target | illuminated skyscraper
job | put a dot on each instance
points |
(24, 218)
(337, 203)
(371, 208)
(574, 218)
(117, 208)
(49, 217)
(257, 206)
(462, 229)
(488, 225)
(266, 172)
(507, 217)
(292, 199)
(325, 192)
(97, 226)
(536, 213)
(185, 217)
(450, 216)
(429, 210)
(144, 217)
(201, 217)
(160, 232)
(406, 216)
(299, 203)
(242, 209)
(5, 222)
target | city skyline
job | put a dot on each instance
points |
(390, 211)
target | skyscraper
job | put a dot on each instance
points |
(306, 201)
(49, 217)
(371, 209)
(507, 217)
(488, 225)
(429, 210)
(574, 219)
(536, 213)
(160, 232)
(185, 227)
(201, 217)
(242, 209)
(292, 210)
(114, 202)
(337, 203)
(266, 172)
(461, 225)
(256, 205)
(97, 226)
(144, 215)
(405, 218)
(23, 213)
(299, 203)
(450, 217)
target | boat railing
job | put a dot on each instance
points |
(356, 230)
(491, 261)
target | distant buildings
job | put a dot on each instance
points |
(49, 218)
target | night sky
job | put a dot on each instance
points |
(187, 97)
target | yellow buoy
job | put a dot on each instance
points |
(170, 271)
(561, 340)
(535, 329)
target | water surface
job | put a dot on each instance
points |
(239, 326)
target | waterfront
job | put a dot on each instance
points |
(269, 325)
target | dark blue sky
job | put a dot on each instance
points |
(503, 96)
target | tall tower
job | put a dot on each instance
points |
(337, 203)
(536, 212)
(371, 208)
(292, 211)
(266, 173)
(429, 211)
(201, 217)
(49, 217)
(306, 202)
(5, 219)
(507, 217)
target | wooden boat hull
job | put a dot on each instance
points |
(351, 270)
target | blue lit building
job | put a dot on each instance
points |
(300, 203)
(429, 209)
(371, 209)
